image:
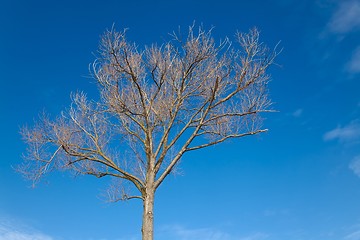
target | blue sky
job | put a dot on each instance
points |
(299, 181)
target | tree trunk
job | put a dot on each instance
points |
(148, 215)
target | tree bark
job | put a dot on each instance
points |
(148, 215)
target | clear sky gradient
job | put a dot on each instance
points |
(299, 181)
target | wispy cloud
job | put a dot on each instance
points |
(298, 112)
(10, 230)
(346, 17)
(355, 167)
(256, 236)
(347, 133)
(353, 236)
(353, 65)
(179, 232)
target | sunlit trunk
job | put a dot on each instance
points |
(148, 215)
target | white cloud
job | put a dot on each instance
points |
(346, 17)
(298, 113)
(178, 232)
(256, 236)
(347, 133)
(353, 65)
(353, 236)
(355, 167)
(181, 233)
(10, 230)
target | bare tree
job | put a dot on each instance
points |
(156, 104)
